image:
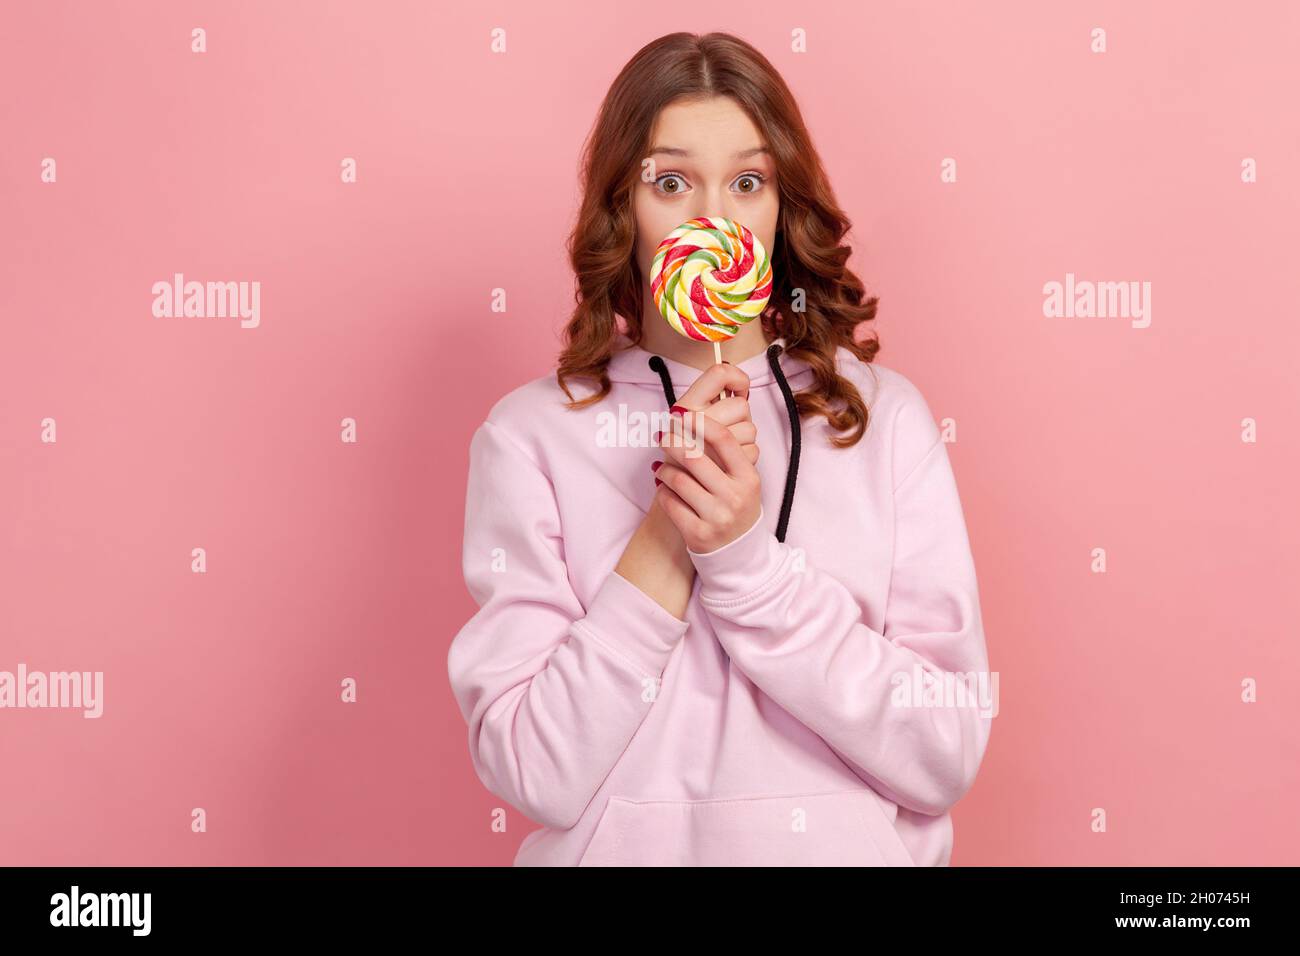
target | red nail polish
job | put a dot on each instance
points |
(654, 465)
(678, 410)
(659, 481)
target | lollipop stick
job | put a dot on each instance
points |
(717, 357)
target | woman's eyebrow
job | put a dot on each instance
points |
(677, 151)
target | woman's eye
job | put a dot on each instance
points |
(750, 182)
(678, 183)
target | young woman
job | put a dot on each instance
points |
(688, 652)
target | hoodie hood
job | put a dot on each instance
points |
(632, 364)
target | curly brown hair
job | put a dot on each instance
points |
(809, 253)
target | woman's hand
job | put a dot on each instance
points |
(732, 411)
(708, 485)
(655, 558)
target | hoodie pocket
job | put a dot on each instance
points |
(846, 828)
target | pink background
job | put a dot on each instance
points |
(327, 560)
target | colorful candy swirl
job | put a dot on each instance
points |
(710, 276)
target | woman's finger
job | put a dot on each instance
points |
(745, 430)
(728, 411)
(690, 453)
(680, 513)
(719, 438)
(712, 381)
(746, 433)
(685, 486)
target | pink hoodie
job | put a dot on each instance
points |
(772, 726)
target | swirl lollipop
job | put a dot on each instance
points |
(710, 276)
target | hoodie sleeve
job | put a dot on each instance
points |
(798, 634)
(552, 691)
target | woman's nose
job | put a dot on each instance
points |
(715, 201)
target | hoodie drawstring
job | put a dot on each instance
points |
(657, 365)
(792, 409)
(796, 435)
